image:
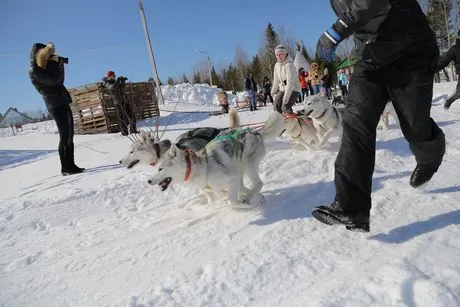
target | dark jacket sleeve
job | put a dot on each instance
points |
(108, 84)
(446, 58)
(247, 84)
(54, 76)
(356, 13)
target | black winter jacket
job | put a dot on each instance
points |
(115, 87)
(250, 84)
(50, 82)
(452, 55)
(384, 29)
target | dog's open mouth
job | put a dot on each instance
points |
(308, 113)
(164, 184)
(132, 163)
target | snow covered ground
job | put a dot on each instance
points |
(107, 238)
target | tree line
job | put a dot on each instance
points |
(443, 17)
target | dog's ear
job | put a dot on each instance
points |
(173, 151)
(143, 137)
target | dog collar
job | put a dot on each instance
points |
(188, 161)
(322, 114)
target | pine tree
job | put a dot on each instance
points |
(184, 79)
(256, 69)
(215, 77)
(197, 78)
(267, 56)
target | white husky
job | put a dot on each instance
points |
(146, 150)
(300, 130)
(223, 162)
(326, 119)
(387, 112)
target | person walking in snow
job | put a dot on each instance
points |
(315, 78)
(251, 87)
(286, 87)
(125, 114)
(267, 86)
(343, 82)
(397, 57)
(303, 76)
(452, 55)
(47, 74)
(326, 81)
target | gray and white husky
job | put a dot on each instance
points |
(326, 119)
(222, 163)
(300, 129)
(146, 150)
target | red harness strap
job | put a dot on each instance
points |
(188, 161)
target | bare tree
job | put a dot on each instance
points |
(241, 61)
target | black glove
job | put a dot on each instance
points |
(328, 42)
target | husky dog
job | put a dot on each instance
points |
(326, 119)
(223, 162)
(146, 150)
(384, 119)
(300, 129)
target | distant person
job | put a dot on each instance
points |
(315, 78)
(343, 82)
(303, 80)
(452, 55)
(46, 72)
(326, 81)
(267, 86)
(286, 87)
(125, 114)
(251, 87)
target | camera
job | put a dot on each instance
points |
(64, 60)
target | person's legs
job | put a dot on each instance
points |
(287, 108)
(454, 97)
(278, 101)
(131, 117)
(122, 119)
(412, 103)
(265, 98)
(63, 117)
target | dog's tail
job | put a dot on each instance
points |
(272, 127)
(234, 118)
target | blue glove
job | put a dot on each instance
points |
(328, 42)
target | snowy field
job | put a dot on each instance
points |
(107, 238)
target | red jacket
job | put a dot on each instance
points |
(303, 79)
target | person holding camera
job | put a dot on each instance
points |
(46, 72)
(286, 86)
(125, 114)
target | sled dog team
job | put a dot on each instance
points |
(217, 159)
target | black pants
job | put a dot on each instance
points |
(126, 117)
(410, 89)
(63, 117)
(267, 94)
(455, 96)
(344, 90)
(280, 107)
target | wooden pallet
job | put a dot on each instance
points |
(94, 110)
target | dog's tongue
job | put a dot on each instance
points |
(165, 183)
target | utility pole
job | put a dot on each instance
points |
(152, 58)
(209, 65)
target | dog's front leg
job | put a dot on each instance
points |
(234, 189)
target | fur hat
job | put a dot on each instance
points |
(110, 73)
(44, 54)
(280, 49)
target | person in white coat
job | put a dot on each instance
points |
(286, 86)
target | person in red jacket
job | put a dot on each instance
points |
(303, 76)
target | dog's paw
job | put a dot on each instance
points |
(243, 205)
